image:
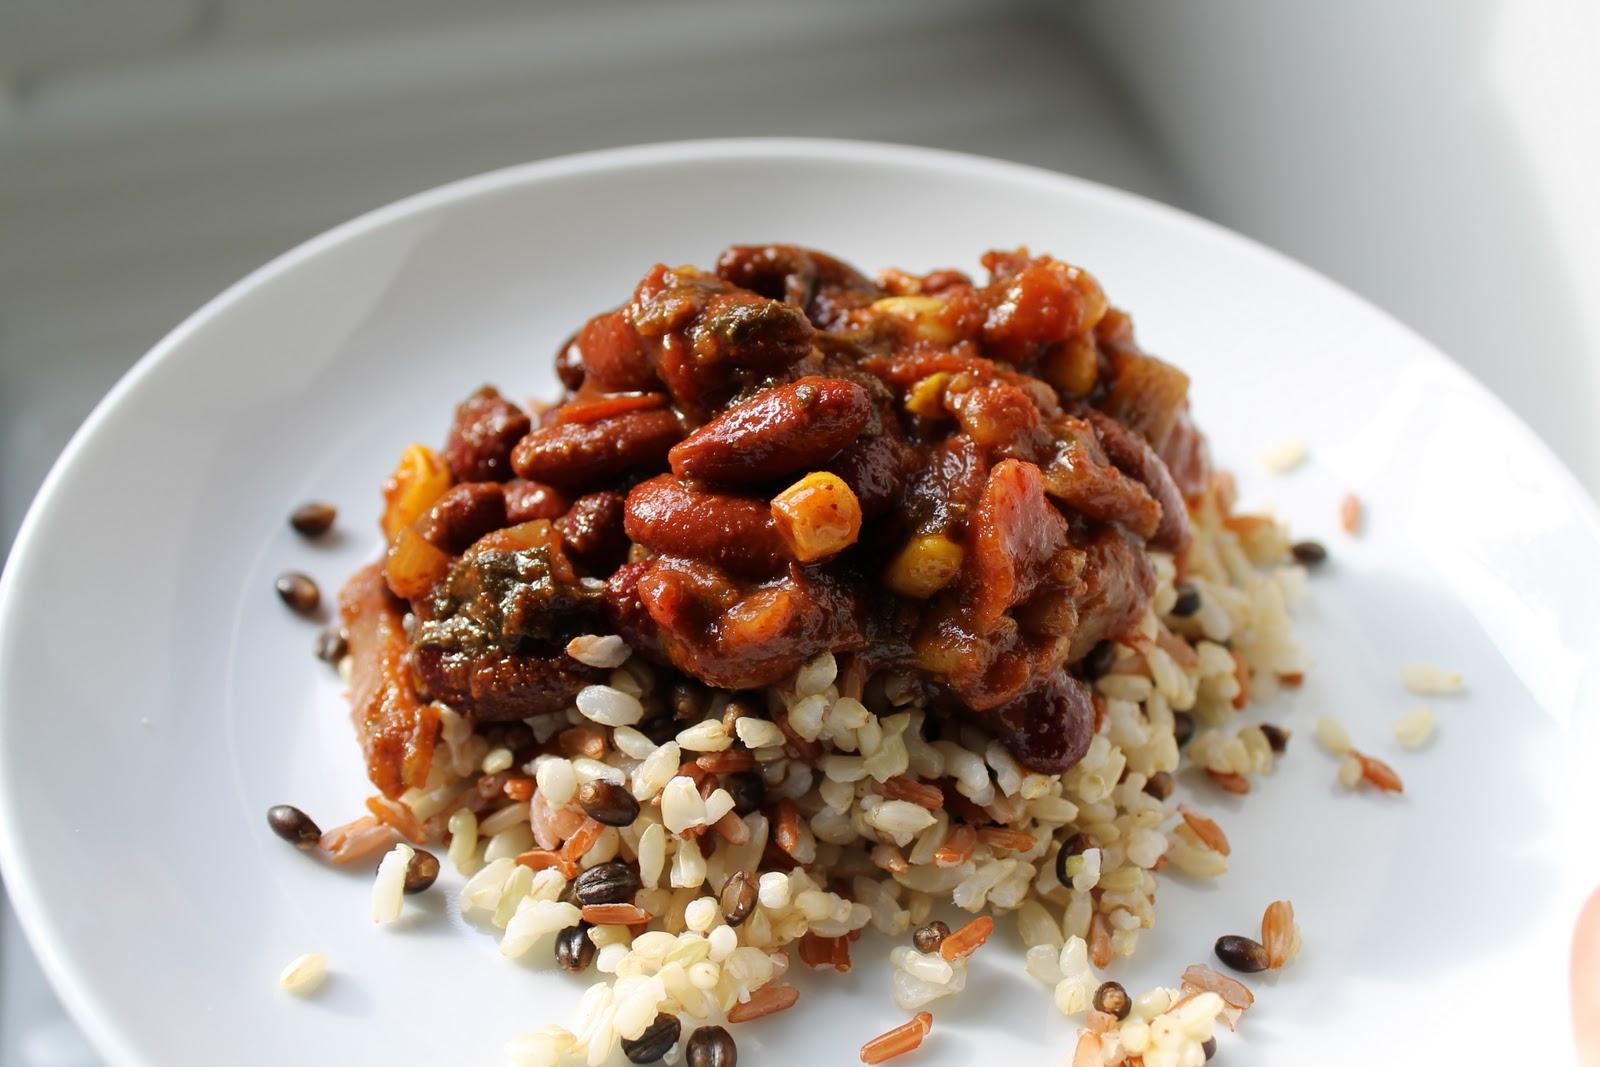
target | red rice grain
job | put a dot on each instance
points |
(1277, 932)
(1350, 514)
(768, 1000)
(905, 787)
(965, 941)
(1378, 773)
(1205, 829)
(957, 847)
(1006, 837)
(397, 815)
(614, 914)
(899, 1041)
(1100, 940)
(1230, 782)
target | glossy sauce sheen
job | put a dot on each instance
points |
(1011, 451)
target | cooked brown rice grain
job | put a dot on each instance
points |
(1277, 738)
(389, 885)
(574, 950)
(304, 974)
(1415, 727)
(1349, 774)
(332, 645)
(1309, 553)
(1284, 457)
(595, 651)
(1425, 679)
(1332, 736)
(1209, 1047)
(1160, 785)
(1277, 932)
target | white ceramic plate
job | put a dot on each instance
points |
(155, 698)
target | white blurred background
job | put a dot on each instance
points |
(1440, 157)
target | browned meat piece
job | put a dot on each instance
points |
(503, 688)
(487, 426)
(397, 732)
(707, 338)
(1134, 457)
(823, 287)
(1082, 477)
(1144, 394)
(1118, 582)
(736, 636)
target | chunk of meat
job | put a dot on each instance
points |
(1118, 582)
(792, 427)
(1134, 457)
(825, 288)
(1015, 538)
(1082, 477)
(396, 730)
(503, 687)
(737, 636)
(486, 427)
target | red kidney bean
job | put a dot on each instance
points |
(462, 515)
(526, 501)
(584, 453)
(734, 532)
(792, 427)
(613, 356)
(486, 427)
(593, 532)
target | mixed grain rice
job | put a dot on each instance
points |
(869, 840)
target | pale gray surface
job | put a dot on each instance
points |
(138, 181)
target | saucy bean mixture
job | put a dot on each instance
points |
(952, 480)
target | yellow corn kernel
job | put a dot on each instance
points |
(926, 399)
(818, 516)
(924, 314)
(924, 566)
(1072, 366)
(419, 479)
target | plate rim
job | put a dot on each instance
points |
(91, 1011)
